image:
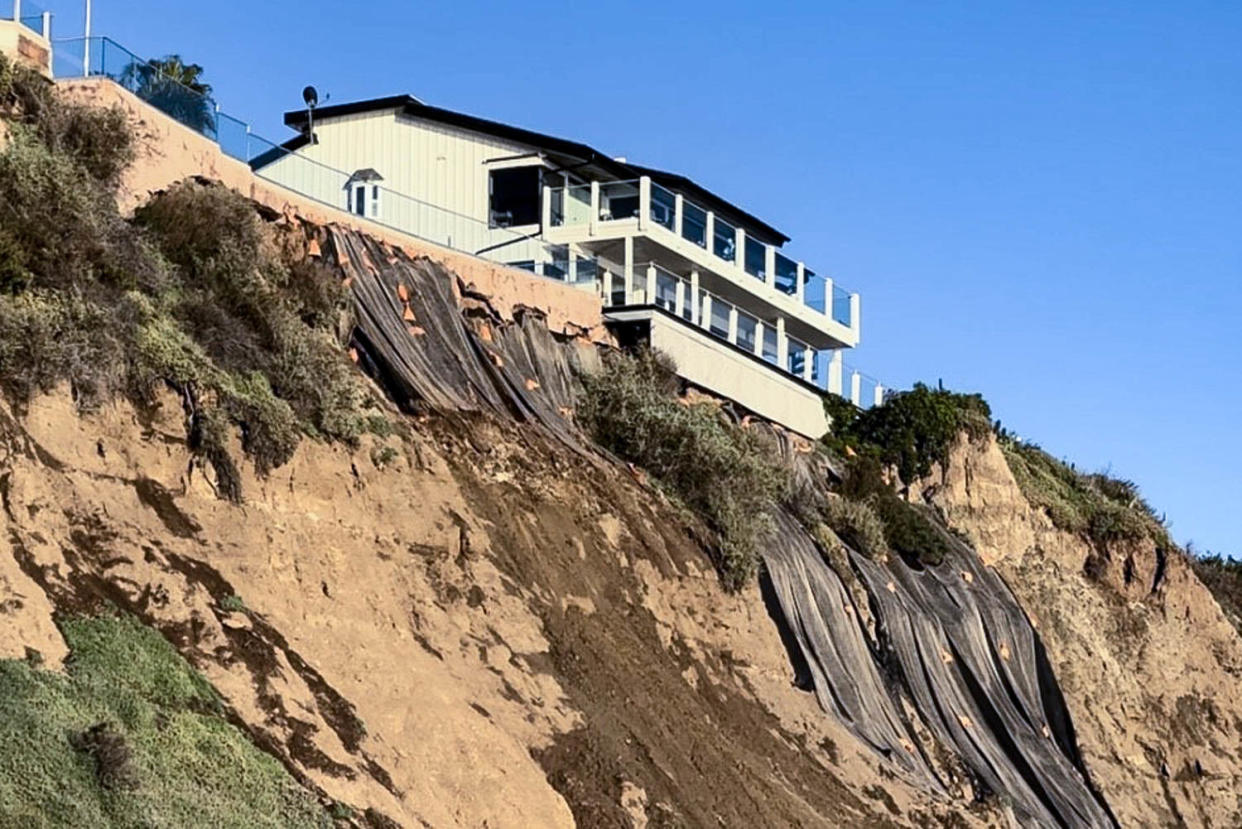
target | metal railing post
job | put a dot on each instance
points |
(17, 10)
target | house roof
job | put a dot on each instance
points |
(412, 107)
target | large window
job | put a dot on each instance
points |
(514, 196)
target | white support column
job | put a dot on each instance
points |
(856, 315)
(694, 297)
(593, 219)
(628, 264)
(571, 267)
(739, 247)
(809, 356)
(856, 388)
(769, 266)
(679, 305)
(644, 203)
(546, 217)
(678, 209)
(733, 324)
(879, 395)
(705, 313)
(828, 297)
(758, 348)
(800, 292)
(17, 9)
(607, 287)
(782, 345)
(709, 232)
(834, 373)
(651, 285)
(47, 25)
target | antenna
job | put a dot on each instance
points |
(311, 97)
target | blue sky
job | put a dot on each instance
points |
(1038, 201)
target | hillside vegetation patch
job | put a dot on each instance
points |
(718, 469)
(196, 293)
(130, 735)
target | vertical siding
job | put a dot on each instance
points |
(426, 161)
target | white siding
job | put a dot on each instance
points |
(435, 178)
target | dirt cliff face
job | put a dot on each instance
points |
(1148, 663)
(475, 633)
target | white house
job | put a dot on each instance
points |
(673, 263)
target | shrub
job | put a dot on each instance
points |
(858, 525)
(910, 531)
(1222, 576)
(233, 603)
(719, 470)
(914, 429)
(1097, 506)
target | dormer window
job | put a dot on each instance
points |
(362, 193)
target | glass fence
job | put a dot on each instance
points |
(618, 200)
(663, 207)
(694, 224)
(841, 305)
(31, 16)
(724, 240)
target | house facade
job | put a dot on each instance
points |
(673, 264)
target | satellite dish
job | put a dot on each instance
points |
(310, 96)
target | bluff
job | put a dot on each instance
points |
(302, 527)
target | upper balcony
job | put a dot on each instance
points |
(640, 221)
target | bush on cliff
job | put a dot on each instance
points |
(196, 293)
(718, 469)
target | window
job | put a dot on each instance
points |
(360, 200)
(514, 194)
(360, 184)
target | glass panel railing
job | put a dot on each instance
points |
(586, 270)
(150, 82)
(799, 353)
(663, 207)
(694, 224)
(786, 274)
(746, 325)
(618, 200)
(558, 267)
(576, 205)
(720, 318)
(841, 306)
(32, 17)
(724, 240)
(770, 352)
(666, 290)
(814, 290)
(756, 258)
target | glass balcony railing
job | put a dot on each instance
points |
(786, 274)
(618, 200)
(724, 240)
(756, 258)
(666, 290)
(663, 207)
(842, 306)
(814, 291)
(799, 353)
(719, 323)
(694, 224)
(771, 351)
(746, 330)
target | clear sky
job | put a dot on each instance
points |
(1041, 201)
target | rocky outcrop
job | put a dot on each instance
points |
(1148, 664)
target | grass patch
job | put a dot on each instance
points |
(1097, 506)
(716, 468)
(130, 736)
(196, 293)
(1222, 576)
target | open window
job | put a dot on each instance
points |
(362, 193)
(514, 194)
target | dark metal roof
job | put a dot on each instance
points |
(414, 108)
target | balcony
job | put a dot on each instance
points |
(639, 220)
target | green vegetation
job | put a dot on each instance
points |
(196, 293)
(1099, 507)
(858, 525)
(913, 429)
(131, 736)
(175, 87)
(909, 530)
(716, 468)
(1222, 575)
(233, 604)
